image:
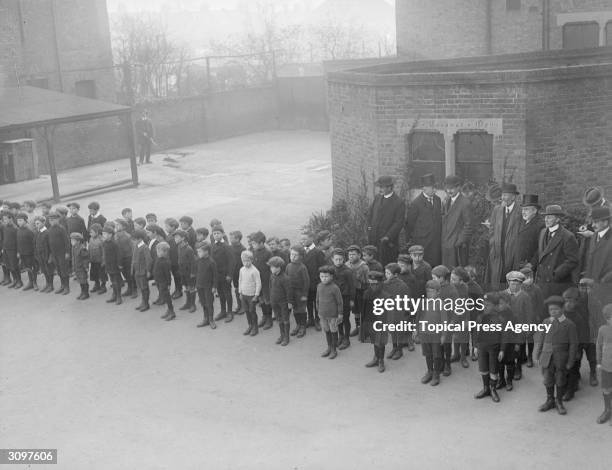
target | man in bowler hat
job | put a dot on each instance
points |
(456, 224)
(385, 220)
(424, 221)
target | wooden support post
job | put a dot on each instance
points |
(126, 119)
(48, 132)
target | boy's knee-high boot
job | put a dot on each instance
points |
(85, 291)
(187, 304)
(607, 413)
(530, 347)
(501, 383)
(255, 326)
(381, 359)
(30, 284)
(17, 284)
(119, 299)
(145, 300)
(211, 319)
(549, 404)
(486, 387)
(281, 329)
(268, 321)
(205, 319)
(302, 329)
(518, 371)
(192, 302)
(328, 338)
(239, 310)
(334, 345)
(49, 283)
(493, 387)
(249, 318)
(436, 371)
(374, 361)
(7, 276)
(559, 402)
(286, 328)
(510, 378)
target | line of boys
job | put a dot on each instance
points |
(286, 280)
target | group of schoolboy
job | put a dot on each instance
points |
(317, 283)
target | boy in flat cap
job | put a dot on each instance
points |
(41, 252)
(222, 254)
(368, 254)
(360, 274)
(80, 263)
(187, 271)
(573, 309)
(521, 306)
(162, 276)
(329, 302)
(60, 250)
(313, 259)
(25, 250)
(129, 220)
(280, 292)
(345, 280)
(488, 340)
(94, 216)
(97, 274)
(378, 337)
(172, 226)
(126, 248)
(206, 282)
(299, 282)
(421, 269)
(235, 244)
(112, 262)
(554, 350)
(431, 341)
(142, 265)
(74, 222)
(187, 226)
(9, 251)
(261, 255)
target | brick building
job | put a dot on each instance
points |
(540, 119)
(64, 46)
(461, 28)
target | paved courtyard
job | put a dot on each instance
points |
(114, 388)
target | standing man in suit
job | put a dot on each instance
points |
(557, 254)
(529, 232)
(385, 220)
(424, 221)
(503, 237)
(456, 224)
(145, 134)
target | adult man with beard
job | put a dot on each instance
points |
(503, 236)
(424, 221)
(385, 220)
(557, 254)
(528, 232)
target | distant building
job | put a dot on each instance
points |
(444, 29)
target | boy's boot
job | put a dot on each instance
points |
(114, 296)
(18, 284)
(435, 380)
(559, 403)
(249, 318)
(501, 383)
(410, 342)
(281, 328)
(85, 291)
(262, 322)
(463, 356)
(530, 347)
(66, 284)
(549, 404)
(134, 289)
(334, 344)
(429, 374)
(102, 289)
(187, 303)
(239, 310)
(119, 300)
(447, 368)
(6, 280)
(509, 386)
(255, 328)
(96, 287)
(192, 302)
(268, 318)
(493, 387)
(486, 387)
(30, 284)
(286, 328)
(302, 330)
(145, 301)
(328, 338)
(35, 284)
(317, 322)
(229, 317)
(381, 359)
(374, 361)
(170, 315)
(518, 371)
(605, 416)
(222, 314)
(455, 356)
(572, 384)
(398, 352)
(178, 293)
(211, 319)
(593, 378)
(205, 320)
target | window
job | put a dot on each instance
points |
(39, 82)
(513, 5)
(474, 156)
(609, 33)
(85, 88)
(580, 35)
(426, 154)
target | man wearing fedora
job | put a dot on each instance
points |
(592, 198)
(529, 232)
(503, 237)
(557, 254)
(456, 224)
(424, 221)
(385, 220)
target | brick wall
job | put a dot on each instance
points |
(569, 139)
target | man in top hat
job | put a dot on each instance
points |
(529, 232)
(385, 220)
(503, 237)
(456, 224)
(557, 254)
(424, 221)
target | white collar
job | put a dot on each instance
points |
(153, 240)
(454, 198)
(95, 215)
(554, 228)
(140, 243)
(510, 207)
(43, 229)
(387, 196)
(311, 247)
(601, 233)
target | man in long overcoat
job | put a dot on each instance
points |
(557, 254)
(456, 224)
(385, 220)
(503, 236)
(529, 232)
(424, 221)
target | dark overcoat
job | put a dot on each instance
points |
(386, 219)
(556, 261)
(424, 227)
(456, 229)
(502, 244)
(527, 245)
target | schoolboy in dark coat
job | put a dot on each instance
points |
(235, 240)
(163, 279)
(261, 255)
(59, 247)
(25, 248)
(222, 254)
(112, 263)
(392, 288)
(172, 226)
(186, 223)
(94, 217)
(488, 341)
(345, 280)
(313, 259)
(80, 263)
(41, 253)
(142, 265)
(9, 249)
(74, 222)
(280, 292)
(553, 350)
(377, 336)
(206, 282)
(431, 341)
(126, 248)
(299, 282)
(187, 273)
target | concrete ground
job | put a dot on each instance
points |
(113, 388)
